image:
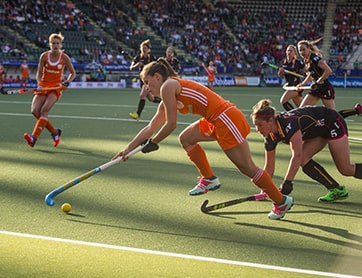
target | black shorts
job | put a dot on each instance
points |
(324, 91)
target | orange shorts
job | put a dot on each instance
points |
(57, 92)
(230, 128)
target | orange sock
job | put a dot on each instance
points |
(49, 126)
(263, 180)
(198, 156)
(39, 126)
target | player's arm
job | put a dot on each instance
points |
(269, 165)
(145, 133)
(70, 68)
(326, 71)
(39, 72)
(169, 90)
(296, 147)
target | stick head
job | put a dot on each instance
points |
(49, 201)
(203, 206)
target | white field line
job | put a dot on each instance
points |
(182, 256)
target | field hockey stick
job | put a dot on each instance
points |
(293, 88)
(127, 54)
(27, 91)
(207, 209)
(205, 68)
(49, 198)
(286, 71)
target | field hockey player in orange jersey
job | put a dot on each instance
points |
(221, 121)
(49, 75)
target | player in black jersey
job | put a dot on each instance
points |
(172, 60)
(292, 64)
(318, 72)
(140, 61)
(307, 130)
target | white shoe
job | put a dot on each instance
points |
(205, 185)
(278, 212)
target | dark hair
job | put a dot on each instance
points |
(161, 66)
(263, 110)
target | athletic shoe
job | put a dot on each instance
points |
(358, 108)
(56, 137)
(30, 139)
(204, 186)
(334, 195)
(278, 212)
(134, 116)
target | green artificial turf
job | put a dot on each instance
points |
(143, 202)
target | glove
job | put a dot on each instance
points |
(286, 187)
(65, 85)
(315, 86)
(157, 99)
(149, 146)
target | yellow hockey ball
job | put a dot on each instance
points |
(66, 207)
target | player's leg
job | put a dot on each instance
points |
(309, 100)
(189, 139)
(290, 95)
(340, 152)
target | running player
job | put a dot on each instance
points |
(307, 130)
(291, 63)
(49, 74)
(172, 60)
(140, 61)
(211, 72)
(221, 121)
(318, 71)
(24, 68)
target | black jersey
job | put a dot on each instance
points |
(312, 121)
(175, 64)
(294, 66)
(324, 90)
(144, 60)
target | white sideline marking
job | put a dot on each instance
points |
(182, 256)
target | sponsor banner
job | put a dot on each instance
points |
(98, 85)
(253, 81)
(241, 81)
(348, 83)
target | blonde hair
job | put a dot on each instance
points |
(161, 66)
(263, 110)
(146, 43)
(312, 46)
(294, 50)
(56, 36)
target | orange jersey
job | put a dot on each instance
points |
(24, 71)
(221, 118)
(52, 72)
(211, 73)
(52, 75)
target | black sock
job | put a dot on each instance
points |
(287, 106)
(319, 174)
(348, 112)
(358, 173)
(141, 105)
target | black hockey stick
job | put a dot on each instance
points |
(207, 209)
